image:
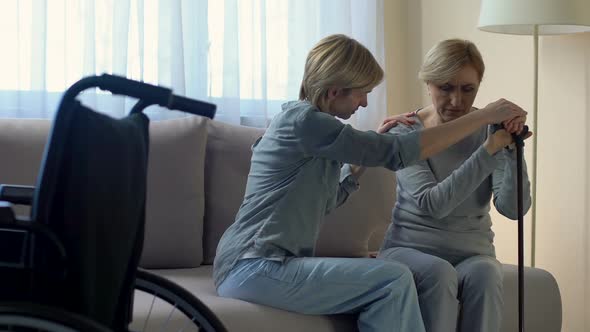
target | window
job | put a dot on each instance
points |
(246, 56)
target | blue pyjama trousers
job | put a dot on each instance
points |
(382, 293)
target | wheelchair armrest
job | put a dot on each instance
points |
(16, 242)
(6, 213)
(17, 194)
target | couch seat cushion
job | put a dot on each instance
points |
(542, 305)
(239, 315)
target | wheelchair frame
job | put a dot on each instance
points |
(26, 233)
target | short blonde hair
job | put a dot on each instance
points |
(447, 57)
(338, 61)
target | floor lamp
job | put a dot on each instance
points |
(534, 17)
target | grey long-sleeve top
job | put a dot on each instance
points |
(443, 202)
(296, 177)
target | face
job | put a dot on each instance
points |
(455, 98)
(343, 103)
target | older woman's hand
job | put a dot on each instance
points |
(501, 138)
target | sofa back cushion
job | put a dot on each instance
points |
(226, 170)
(175, 198)
(358, 226)
(22, 142)
(346, 232)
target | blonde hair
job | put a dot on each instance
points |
(338, 61)
(447, 57)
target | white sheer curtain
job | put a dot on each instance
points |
(246, 56)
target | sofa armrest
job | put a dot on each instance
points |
(542, 300)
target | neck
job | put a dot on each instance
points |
(429, 117)
(324, 106)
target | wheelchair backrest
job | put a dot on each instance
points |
(91, 192)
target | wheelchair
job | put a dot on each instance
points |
(72, 263)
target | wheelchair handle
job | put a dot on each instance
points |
(190, 105)
(154, 94)
(148, 93)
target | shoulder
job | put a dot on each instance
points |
(291, 114)
(307, 118)
(296, 111)
(401, 128)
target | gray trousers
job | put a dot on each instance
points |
(461, 296)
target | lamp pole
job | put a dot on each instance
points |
(536, 133)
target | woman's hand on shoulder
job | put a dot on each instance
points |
(392, 121)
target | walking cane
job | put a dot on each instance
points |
(519, 142)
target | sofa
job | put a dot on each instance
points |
(196, 180)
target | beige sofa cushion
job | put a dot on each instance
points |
(175, 202)
(178, 194)
(226, 167)
(543, 308)
(22, 142)
(358, 226)
(235, 315)
(175, 198)
(346, 231)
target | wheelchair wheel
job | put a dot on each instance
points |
(165, 306)
(27, 317)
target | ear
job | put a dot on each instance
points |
(332, 93)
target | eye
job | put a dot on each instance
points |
(446, 87)
(468, 89)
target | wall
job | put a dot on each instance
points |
(563, 234)
(403, 33)
(563, 196)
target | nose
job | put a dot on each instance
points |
(456, 98)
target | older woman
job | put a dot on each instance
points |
(441, 226)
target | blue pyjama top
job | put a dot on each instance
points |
(297, 176)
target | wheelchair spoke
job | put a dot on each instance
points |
(175, 310)
(168, 319)
(147, 319)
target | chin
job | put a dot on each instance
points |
(451, 117)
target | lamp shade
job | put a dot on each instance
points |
(519, 17)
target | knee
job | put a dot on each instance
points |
(438, 274)
(397, 273)
(397, 269)
(485, 276)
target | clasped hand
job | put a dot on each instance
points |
(503, 137)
